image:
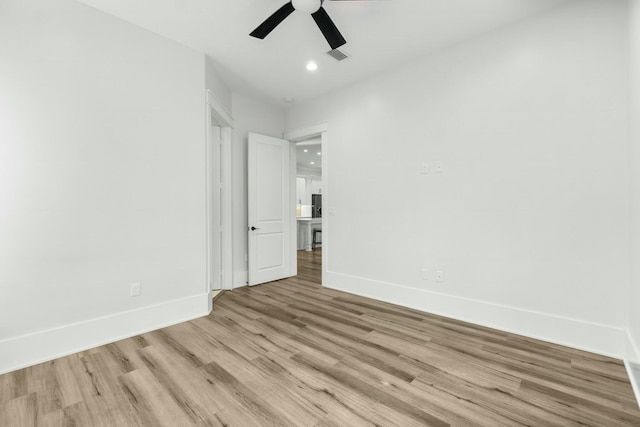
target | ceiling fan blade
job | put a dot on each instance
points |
(272, 22)
(328, 28)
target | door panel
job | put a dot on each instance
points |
(269, 210)
(271, 246)
(269, 179)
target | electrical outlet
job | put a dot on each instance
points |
(424, 274)
(424, 168)
(440, 276)
(439, 167)
(136, 289)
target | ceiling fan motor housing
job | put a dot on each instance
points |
(307, 6)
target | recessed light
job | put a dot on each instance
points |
(312, 66)
(319, 153)
(288, 99)
(306, 151)
(313, 163)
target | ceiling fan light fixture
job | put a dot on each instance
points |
(307, 6)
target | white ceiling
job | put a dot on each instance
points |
(380, 35)
(307, 152)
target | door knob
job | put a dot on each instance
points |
(254, 229)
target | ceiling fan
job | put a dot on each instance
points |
(314, 7)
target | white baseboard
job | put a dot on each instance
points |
(596, 338)
(632, 350)
(240, 278)
(632, 363)
(27, 350)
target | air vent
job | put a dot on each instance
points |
(337, 54)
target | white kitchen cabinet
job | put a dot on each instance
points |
(316, 185)
(301, 191)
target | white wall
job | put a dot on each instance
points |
(250, 115)
(529, 221)
(214, 82)
(634, 120)
(101, 180)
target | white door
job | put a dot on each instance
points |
(269, 209)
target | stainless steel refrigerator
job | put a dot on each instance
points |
(316, 205)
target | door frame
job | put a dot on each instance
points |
(218, 116)
(294, 136)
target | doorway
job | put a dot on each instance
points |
(309, 194)
(314, 139)
(218, 196)
(271, 189)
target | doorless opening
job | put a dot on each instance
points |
(309, 194)
(312, 136)
(218, 196)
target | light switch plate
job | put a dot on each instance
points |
(136, 289)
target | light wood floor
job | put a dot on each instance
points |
(293, 353)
